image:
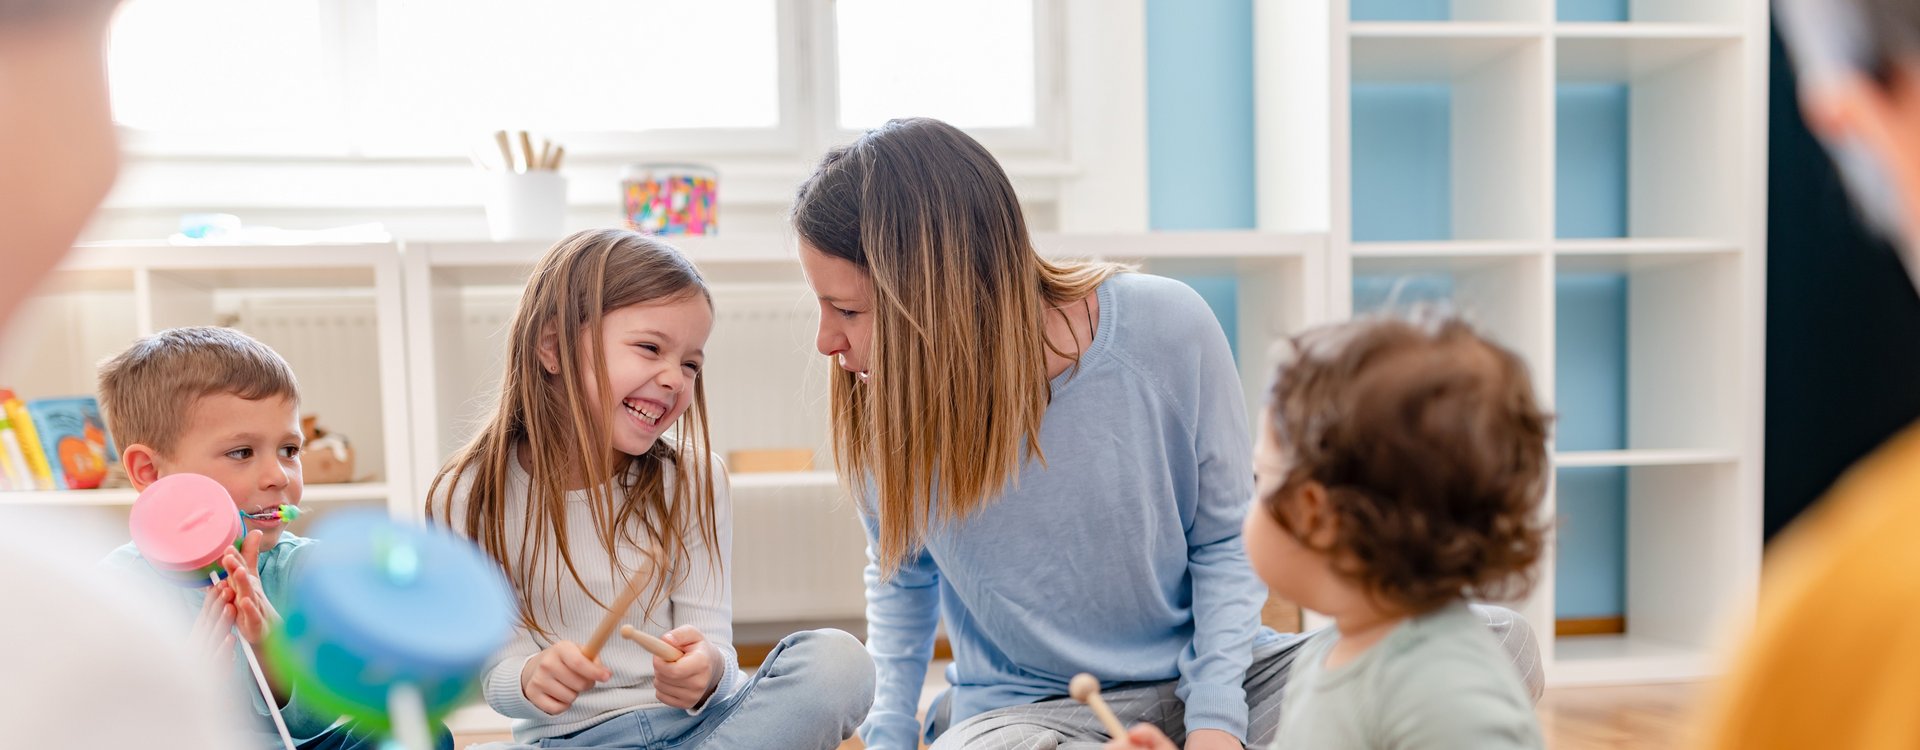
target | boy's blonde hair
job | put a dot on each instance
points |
(146, 392)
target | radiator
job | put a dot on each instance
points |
(332, 342)
(798, 549)
(798, 552)
(766, 386)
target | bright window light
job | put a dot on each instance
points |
(578, 65)
(221, 66)
(969, 62)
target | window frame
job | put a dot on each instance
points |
(807, 64)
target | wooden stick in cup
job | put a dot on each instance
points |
(558, 151)
(526, 149)
(619, 610)
(506, 151)
(1086, 689)
(546, 153)
(660, 648)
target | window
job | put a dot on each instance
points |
(434, 77)
(203, 66)
(971, 64)
(484, 64)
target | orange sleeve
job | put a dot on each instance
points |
(1834, 656)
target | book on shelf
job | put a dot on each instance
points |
(14, 473)
(74, 437)
(39, 472)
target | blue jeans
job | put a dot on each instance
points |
(813, 690)
(350, 737)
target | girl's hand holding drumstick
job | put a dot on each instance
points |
(686, 680)
(653, 645)
(554, 678)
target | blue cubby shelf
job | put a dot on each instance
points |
(1400, 10)
(1402, 164)
(1590, 154)
(1602, 11)
(1590, 397)
(1381, 292)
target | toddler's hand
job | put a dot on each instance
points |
(1142, 736)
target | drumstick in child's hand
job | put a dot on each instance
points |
(614, 614)
(1086, 689)
(660, 648)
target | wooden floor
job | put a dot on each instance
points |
(1611, 718)
(1638, 716)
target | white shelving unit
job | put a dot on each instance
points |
(798, 546)
(398, 347)
(1447, 164)
(334, 311)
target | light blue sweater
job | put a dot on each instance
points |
(1121, 557)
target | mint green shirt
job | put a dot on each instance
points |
(276, 570)
(1437, 681)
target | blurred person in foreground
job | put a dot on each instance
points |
(1834, 656)
(87, 662)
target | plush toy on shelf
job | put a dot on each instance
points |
(328, 458)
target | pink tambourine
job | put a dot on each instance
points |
(182, 524)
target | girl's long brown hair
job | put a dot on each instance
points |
(566, 436)
(959, 359)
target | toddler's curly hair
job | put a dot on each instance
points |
(1432, 450)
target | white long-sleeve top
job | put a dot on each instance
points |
(703, 598)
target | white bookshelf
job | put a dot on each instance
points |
(427, 332)
(1446, 168)
(333, 310)
(798, 547)
(314, 495)
(765, 381)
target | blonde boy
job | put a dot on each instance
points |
(216, 402)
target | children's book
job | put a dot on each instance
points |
(40, 473)
(14, 473)
(75, 439)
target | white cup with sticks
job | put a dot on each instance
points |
(526, 196)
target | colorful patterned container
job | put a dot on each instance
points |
(670, 198)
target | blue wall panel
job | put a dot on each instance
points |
(1402, 183)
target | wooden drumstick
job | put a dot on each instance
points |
(506, 151)
(660, 648)
(614, 614)
(1086, 689)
